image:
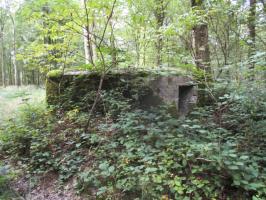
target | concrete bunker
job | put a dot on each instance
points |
(151, 87)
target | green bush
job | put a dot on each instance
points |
(18, 134)
(31, 137)
(5, 178)
(217, 152)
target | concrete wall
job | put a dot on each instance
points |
(153, 89)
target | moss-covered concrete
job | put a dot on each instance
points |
(52, 92)
(151, 87)
(53, 74)
(53, 79)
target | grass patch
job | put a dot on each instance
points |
(11, 98)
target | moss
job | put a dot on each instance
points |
(52, 92)
(55, 73)
(52, 86)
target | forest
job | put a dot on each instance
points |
(132, 100)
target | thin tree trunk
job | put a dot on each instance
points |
(9, 72)
(144, 48)
(38, 78)
(113, 46)
(13, 54)
(33, 77)
(89, 48)
(94, 49)
(2, 59)
(137, 48)
(21, 76)
(252, 32)
(2, 26)
(160, 16)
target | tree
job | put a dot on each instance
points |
(252, 30)
(200, 40)
(159, 13)
(88, 29)
(13, 53)
(3, 17)
(147, 33)
(201, 50)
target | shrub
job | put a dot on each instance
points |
(215, 153)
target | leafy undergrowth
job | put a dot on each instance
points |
(217, 152)
(5, 178)
(13, 98)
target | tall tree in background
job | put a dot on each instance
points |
(159, 12)
(200, 40)
(113, 44)
(252, 30)
(88, 28)
(200, 37)
(2, 27)
(13, 52)
(53, 34)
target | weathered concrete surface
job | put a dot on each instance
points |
(179, 90)
(153, 89)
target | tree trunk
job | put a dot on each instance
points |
(252, 32)
(33, 77)
(10, 72)
(113, 46)
(13, 53)
(2, 26)
(144, 48)
(200, 41)
(201, 53)
(38, 77)
(201, 47)
(89, 48)
(2, 59)
(160, 16)
(21, 76)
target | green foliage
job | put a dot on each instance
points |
(4, 179)
(217, 152)
(54, 73)
(18, 134)
(6, 176)
(150, 154)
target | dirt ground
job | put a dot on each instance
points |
(47, 189)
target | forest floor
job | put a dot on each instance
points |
(48, 188)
